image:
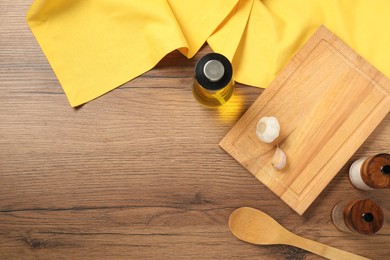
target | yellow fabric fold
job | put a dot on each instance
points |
(227, 36)
(278, 28)
(198, 20)
(95, 46)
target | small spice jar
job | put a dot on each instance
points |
(213, 84)
(359, 216)
(371, 173)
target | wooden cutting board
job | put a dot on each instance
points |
(328, 100)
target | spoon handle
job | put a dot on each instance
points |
(321, 249)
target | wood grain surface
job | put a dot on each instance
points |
(138, 173)
(328, 100)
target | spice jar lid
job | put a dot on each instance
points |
(364, 216)
(213, 71)
(376, 171)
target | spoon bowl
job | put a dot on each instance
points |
(256, 227)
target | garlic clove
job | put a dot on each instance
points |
(268, 129)
(279, 160)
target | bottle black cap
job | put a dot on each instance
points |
(213, 71)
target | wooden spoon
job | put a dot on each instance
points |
(256, 227)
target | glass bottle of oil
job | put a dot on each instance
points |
(213, 84)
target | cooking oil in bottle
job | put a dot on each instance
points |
(213, 84)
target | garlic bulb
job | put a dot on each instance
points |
(279, 160)
(267, 129)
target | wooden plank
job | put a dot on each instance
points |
(328, 101)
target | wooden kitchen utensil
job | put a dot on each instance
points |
(256, 227)
(328, 100)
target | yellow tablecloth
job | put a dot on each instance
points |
(95, 46)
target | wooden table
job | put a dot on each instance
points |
(138, 173)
